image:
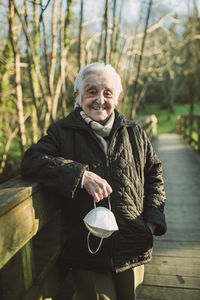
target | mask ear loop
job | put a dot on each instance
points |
(88, 236)
(88, 243)
(109, 204)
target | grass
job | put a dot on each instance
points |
(167, 123)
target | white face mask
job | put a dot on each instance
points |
(101, 222)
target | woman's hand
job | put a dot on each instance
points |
(96, 186)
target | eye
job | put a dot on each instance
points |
(108, 94)
(92, 92)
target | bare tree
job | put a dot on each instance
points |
(80, 39)
(116, 42)
(4, 155)
(107, 46)
(45, 93)
(65, 23)
(33, 81)
(17, 76)
(135, 99)
(114, 25)
(53, 46)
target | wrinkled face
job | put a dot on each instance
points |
(98, 97)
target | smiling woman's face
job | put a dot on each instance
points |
(98, 97)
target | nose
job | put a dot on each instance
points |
(100, 99)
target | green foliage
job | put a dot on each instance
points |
(13, 161)
(167, 123)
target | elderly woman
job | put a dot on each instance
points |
(96, 154)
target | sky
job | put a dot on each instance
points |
(132, 7)
(131, 11)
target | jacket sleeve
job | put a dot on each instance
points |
(42, 162)
(155, 198)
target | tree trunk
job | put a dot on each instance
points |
(46, 96)
(53, 46)
(17, 78)
(65, 22)
(106, 49)
(80, 39)
(6, 149)
(34, 85)
(98, 57)
(117, 55)
(113, 32)
(46, 62)
(135, 86)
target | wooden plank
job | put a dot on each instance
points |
(176, 248)
(45, 207)
(21, 219)
(177, 252)
(18, 181)
(141, 298)
(174, 266)
(176, 281)
(182, 235)
(12, 279)
(11, 197)
(46, 245)
(17, 227)
(167, 244)
(15, 191)
(165, 269)
(32, 264)
(164, 293)
(28, 264)
(179, 261)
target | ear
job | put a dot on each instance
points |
(75, 94)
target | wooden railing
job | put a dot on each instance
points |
(29, 242)
(149, 124)
(189, 127)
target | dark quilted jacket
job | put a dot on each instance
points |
(134, 172)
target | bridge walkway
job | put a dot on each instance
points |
(174, 272)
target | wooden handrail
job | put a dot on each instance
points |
(29, 242)
(189, 127)
(149, 124)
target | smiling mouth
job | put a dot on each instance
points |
(99, 108)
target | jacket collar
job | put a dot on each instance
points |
(74, 120)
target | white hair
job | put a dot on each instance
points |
(96, 68)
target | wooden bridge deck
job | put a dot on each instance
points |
(174, 272)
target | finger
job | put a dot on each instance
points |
(96, 197)
(105, 190)
(100, 193)
(109, 189)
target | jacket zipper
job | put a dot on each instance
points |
(107, 164)
(112, 238)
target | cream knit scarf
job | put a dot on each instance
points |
(100, 130)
